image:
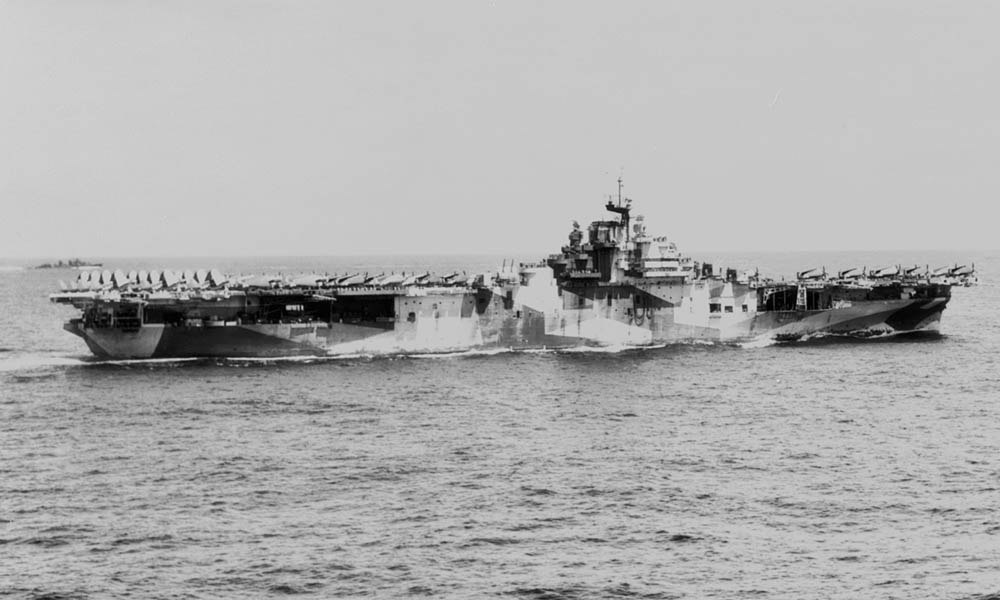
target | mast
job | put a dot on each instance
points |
(621, 209)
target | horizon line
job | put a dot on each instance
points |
(4, 259)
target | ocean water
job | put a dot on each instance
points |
(827, 468)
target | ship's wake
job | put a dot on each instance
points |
(13, 361)
(610, 349)
(49, 361)
(821, 338)
(761, 342)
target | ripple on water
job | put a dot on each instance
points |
(826, 468)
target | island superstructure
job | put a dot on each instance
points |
(611, 285)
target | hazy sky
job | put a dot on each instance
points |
(294, 127)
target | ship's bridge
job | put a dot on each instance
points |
(616, 249)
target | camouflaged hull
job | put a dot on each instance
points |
(532, 310)
(613, 285)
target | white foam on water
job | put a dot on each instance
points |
(612, 349)
(760, 342)
(462, 353)
(306, 358)
(27, 362)
(142, 361)
(880, 333)
(540, 350)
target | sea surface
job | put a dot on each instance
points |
(826, 468)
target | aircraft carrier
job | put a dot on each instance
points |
(611, 285)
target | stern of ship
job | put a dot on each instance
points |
(116, 343)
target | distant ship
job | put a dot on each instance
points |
(73, 263)
(612, 285)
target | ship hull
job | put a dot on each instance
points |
(614, 286)
(495, 326)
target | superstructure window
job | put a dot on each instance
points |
(714, 308)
